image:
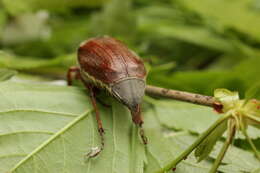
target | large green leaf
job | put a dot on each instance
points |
(60, 129)
(165, 148)
(204, 149)
(235, 160)
(161, 150)
(194, 118)
(28, 117)
(47, 128)
(185, 116)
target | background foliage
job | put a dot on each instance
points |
(186, 44)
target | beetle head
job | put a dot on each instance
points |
(130, 92)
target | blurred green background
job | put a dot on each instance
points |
(192, 45)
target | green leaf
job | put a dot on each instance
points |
(253, 92)
(161, 150)
(196, 35)
(204, 149)
(49, 129)
(203, 82)
(6, 74)
(238, 78)
(185, 116)
(247, 71)
(237, 15)
(256, 171)
(54, 134)
(25, 125)
(194, 118)
(54, 67)
(17, 7)
(236, 160)
(232, 160)
(164, 146)
(46, 39)
(3, 19)
(116, 19)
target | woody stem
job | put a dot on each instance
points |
(182, 96)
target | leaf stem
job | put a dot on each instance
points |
(253, 118)
(182, 96)
(195, 144)
(232, 131)
(252, 145)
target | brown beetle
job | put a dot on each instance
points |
(107, 63)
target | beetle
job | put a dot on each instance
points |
(106, 63)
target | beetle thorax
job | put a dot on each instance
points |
(129, 91)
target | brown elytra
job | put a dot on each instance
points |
(109, 60)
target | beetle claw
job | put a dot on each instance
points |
(93, 153)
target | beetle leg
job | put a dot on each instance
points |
(95, 151)
(101, 131)
(96, 91)
(138, 120)
(71, 70)
(144, 138)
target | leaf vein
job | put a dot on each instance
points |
(38, 111)
(13, 155)
(19, 132)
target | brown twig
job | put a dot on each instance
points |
(184, 96)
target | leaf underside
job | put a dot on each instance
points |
(48, 129)
(194, 118)
(203, 150)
